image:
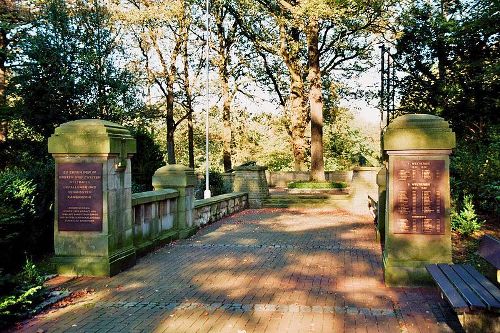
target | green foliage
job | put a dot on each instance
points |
(216, 185)
(474, 169)
(30, 273)
(466, 222)
(451, 56)
(26, 216)
(345, 145)
(66, 68)
(25, 291)
(146, 161)
(278, 161)
(18, 192)
(317, 185)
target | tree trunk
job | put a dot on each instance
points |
(299, 116)
(315, 102)
(190, 140)
(189, 99)
(3, 51)
(298, 123)
(226, 119)
(170, 120)
(223, 64)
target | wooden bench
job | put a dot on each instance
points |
(475, 299)
(489, 249)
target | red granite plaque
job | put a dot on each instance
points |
(418, 203)
(79, 196)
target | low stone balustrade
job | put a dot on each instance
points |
(155, 218)
(153, 215)
(215, 208)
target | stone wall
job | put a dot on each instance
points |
(252, 180)
(282, 178)
(215, 208)
(153, 217)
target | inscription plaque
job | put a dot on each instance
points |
(79, 196)
(418, 204)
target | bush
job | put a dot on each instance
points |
(279, 161)
(145, 161)
(216, 185)
(26, 215)
(316, 185)
(474, 170)
(18, 193)
(466, 222)
(24, 292)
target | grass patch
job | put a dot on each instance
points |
(317, 185)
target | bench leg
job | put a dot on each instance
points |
(480, 321)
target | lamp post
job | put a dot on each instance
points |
(206, 193)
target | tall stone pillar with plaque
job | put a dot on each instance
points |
(417, 224)
(93, 204)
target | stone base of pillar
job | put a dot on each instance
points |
(406, 273)
(188, 232)
(96, 266)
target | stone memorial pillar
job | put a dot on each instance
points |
(417, 227)
(93, 204)
(251, 179)
(182, 179)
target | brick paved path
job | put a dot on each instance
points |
(270, 270)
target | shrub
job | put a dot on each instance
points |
(18, 193)
(466, 222)
(216, 185)
(26, 215)
(279, 161)
(316, 185)
(25, 291)
(474, 170)
(145, 161)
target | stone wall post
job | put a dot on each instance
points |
(381, 211)
(182, 179)
(417, 227)
(93, 205)
(252, 180)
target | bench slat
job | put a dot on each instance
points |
(489, 249)
(449, 291)
(467, 293)
(492, 289)
(480, 290)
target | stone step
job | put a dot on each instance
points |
(304, 201)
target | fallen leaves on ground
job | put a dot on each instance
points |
(72, 298)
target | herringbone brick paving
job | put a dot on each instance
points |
(269, 270)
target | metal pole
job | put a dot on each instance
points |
(206, 193)
(382, 83)
(393, 94)
(388, 90)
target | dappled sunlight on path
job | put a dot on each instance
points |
(268, 270)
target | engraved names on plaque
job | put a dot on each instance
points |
(79, 196)
(418, 186)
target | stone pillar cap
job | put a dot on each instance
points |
(91, 136)
(250, 167)
(173, 168)
(418, 132)
(173, 175)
